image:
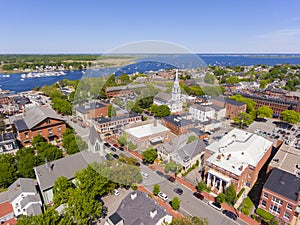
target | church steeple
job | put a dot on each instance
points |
(176, 92)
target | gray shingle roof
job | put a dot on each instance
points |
(94, 136)
(283, 183)
(191, 149)
(30, 198)
(19, 186)
(66, 167)
(138, 210)
(34, 209)
(233, 102)
(178, 121)
(164, 97)
(34, 116)
(91, 106)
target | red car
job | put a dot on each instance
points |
(116, 146)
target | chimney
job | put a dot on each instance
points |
(153, 213)
(133, 196)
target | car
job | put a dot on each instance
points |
(121, 149)
(170, 178)
(106, 144)
(127, 187)
(116, 146)
(113, 149)
(145, 163)
(163, 196)
(215, 205)
(116, 156)
(160, 173)
(107, 134)
(116, 192)
(145, 175)
(230, 214)
(198, 195)
(137, 164)
(178, 191)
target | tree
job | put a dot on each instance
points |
(263, 83)
(175, 203)
(201, 186)
(250, 103)
(243, 119)
(26, 164)
(160, 111)
(49, 151)
(189, 221)
(61, 190)
(156, 189)
(149, 155)
(71, 143)
(191, 138)
(221, 198)
(37, 140)
(264, 111)
(171, 166)
(209, 78)
(230, 194)
(232, 80)
(112, 112)
(8, 172)
(290, 116)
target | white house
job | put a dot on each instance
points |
(24, 197)
(202, 113)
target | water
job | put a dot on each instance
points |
(14, 82)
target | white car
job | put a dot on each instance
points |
(215, 205)
(163, 196)
(145, 175)
(116, 192)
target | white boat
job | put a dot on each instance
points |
(21, 79)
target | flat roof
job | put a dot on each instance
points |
(238, 149)
(146, 130)
(286, 158)
(177, 120)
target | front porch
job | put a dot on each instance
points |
(217, 181)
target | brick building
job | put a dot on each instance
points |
(177, 124)
(281, 195)
(236, 159)
(92, 110)
(122, 90)
(38, 120)
(233, 108)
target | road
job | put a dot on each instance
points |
(189, 204)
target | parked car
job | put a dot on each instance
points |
(121, 149)
(145, 175)
(230, 214)
(215, 205)
(113, 149)
(106, 144)
(178, 191)
(160, 173)
(163, 196)
(198, 195)
(116, 146)
(116, 156)
(116, 192)
(145, 163)
(137, 164)
(170, 178)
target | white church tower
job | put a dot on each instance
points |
(176, 102)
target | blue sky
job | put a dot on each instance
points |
(214, 26)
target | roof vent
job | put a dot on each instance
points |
(133, 196)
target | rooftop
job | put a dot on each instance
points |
(286, 158)
(7, 136)
(238, 149)
(233, 102)
(128, 87)
(177, 120)
(5, 209)
(146, 130)
(192, 149)
(136, 207)
(283, 183)
(163, 97)
(91, 106)
(67, 167)
(21, 185)
(102, 120)
(202, 107)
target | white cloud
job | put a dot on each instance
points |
(284, 40)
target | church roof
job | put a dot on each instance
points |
(163, 97)
(94, 136)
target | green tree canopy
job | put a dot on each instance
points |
(232, 80)
(192, 138)
(175, 203)
(171, 166)
(243, 119)
(112, 112)
(149, 155)
(209, 78)
(8, 172)
(264, 111)
(156, 189)
(189, 221)
(160, 111)
(230, 194)
(290, 116)
(61, 190)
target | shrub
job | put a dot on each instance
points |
(264, 214)
(134, 187)
(175, 203)
(156, 189)
(247, 206)
(221, 198)
(240, 193)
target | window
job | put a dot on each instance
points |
(26, 135)
(264, 203)
(50, 131)
(277, 200)
(275, 209)
(266, 195)
(289, 206)
(59, 128)
(40, 133)
(287, 215)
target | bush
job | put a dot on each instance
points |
(202, 187)
(247, 206)
(264, 214)
(221, 198)
(134, 187)
(240, 193)
(190, 169)
(156, 189)
(175, 203)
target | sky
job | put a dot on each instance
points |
(200, 26)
